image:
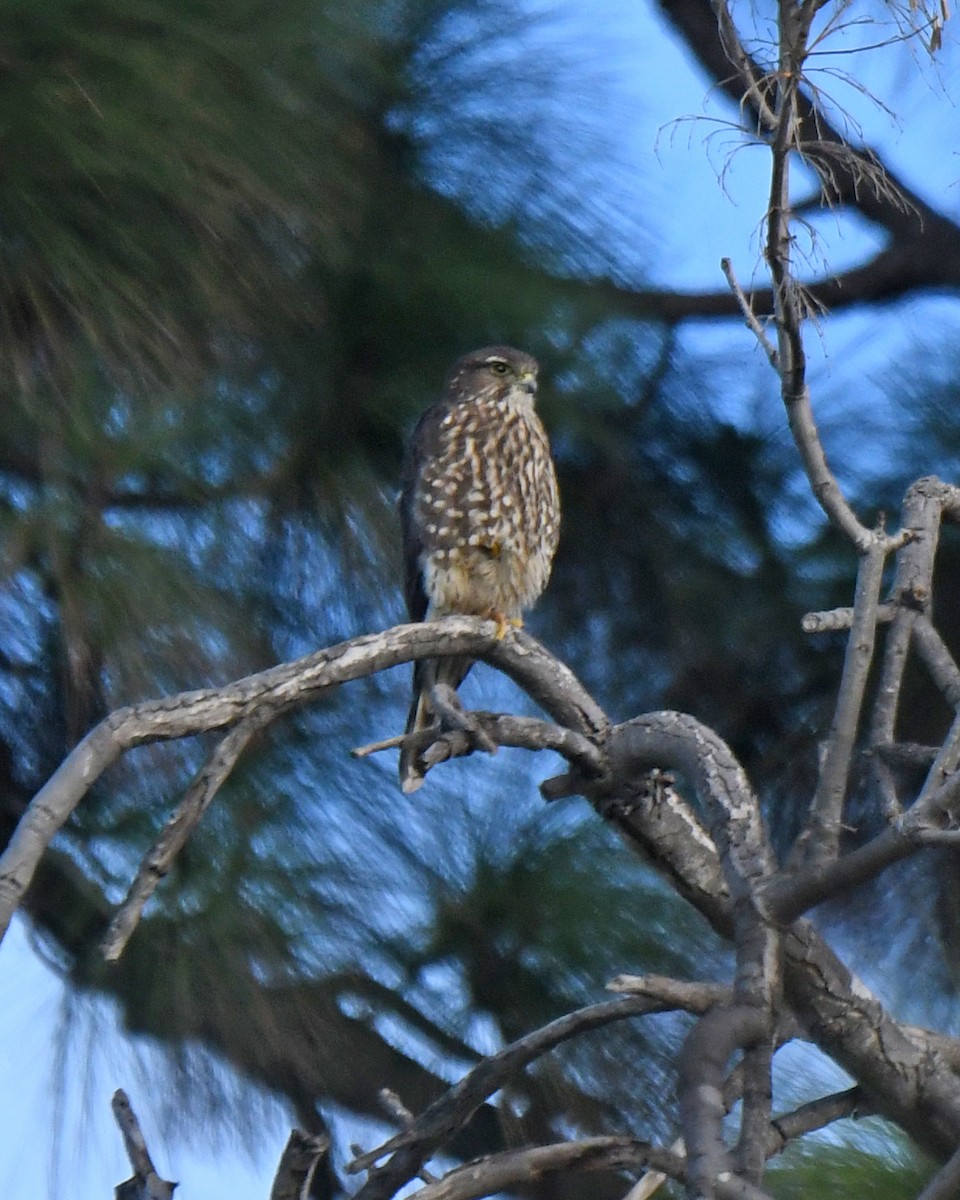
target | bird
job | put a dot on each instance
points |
(480, 514)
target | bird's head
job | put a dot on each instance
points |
(500, 372)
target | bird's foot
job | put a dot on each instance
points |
(503, 622)
(449, 709)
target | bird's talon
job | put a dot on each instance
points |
(504, 623)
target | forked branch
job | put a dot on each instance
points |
(255, 700)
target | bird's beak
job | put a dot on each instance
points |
(528, 384)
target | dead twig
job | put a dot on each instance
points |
(838, 620)
(145, 1183)
(513, 1169)
(751, 318)
(409, 1150)
(161, 856)
(820, 838)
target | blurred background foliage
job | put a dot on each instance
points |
(239, 245)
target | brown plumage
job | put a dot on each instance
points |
(480, 511)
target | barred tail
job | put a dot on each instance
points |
(426, 672)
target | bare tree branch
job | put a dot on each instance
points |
(525, 733)
(787, 896)
(753, 322)
(145, 1184)
(410, 1148)
(906, 1076)
(839, 619)
(816, 1115)
(515, 1168)
(938, 660)
(925, 504)
(946, 1183)
(701, 1072)
(298, 1165)
(271, 693)
(691, 997)
(178, 829)
(820, 838)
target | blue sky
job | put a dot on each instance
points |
(39, 1089)
(695, 204)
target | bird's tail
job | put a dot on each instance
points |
(426, 672)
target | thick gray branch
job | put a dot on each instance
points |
(702, 1071)
(277, 690)
(904, 1076)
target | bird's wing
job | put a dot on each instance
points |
(424, 447)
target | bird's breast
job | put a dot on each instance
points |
(480, 580)
(488, 512)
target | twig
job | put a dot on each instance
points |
(298, 1165)
(395, 1108)
(690, 997)
(175, 834)
(145, 1184)
(515, 1168)
(726, 266)
(390, 743)
(816, 1115)
(938, 660)
(787, 896)
(445, 1116)
(837, 620)
(820, 838)
(757, 84)
(923, 507)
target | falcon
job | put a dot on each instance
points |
(480, 513)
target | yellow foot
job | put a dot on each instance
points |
(503, 622)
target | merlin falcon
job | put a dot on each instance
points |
(480, 513)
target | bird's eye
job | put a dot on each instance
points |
(499, 368)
